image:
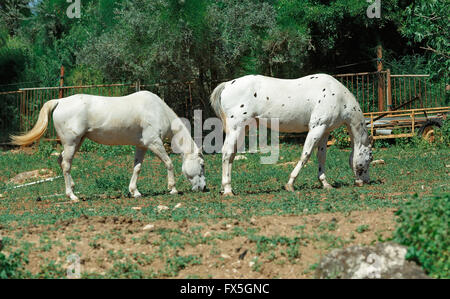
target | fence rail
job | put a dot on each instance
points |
(375, 92)
(381, 91)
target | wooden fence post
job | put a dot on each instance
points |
(389, 89)
(380, 79)
(138, 85)
(61, 83)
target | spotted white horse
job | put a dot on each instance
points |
(316, 103)
(141, 119)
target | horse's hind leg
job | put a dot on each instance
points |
(313, 138)
(321, 157)
(138, 158)
(70, 148)
(60, 159)
(158, 149)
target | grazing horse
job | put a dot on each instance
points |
(141, 119)
(316, 103)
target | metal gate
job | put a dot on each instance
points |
(382, 91)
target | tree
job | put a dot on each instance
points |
(426, 24)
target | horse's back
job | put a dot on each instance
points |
(294, 102)
(111, 120)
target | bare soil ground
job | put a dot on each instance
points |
(103, 241)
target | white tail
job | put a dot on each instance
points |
(217, 106)
(39, 128)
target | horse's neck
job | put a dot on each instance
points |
(179, 130)
(358, 130)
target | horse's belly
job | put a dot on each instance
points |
(294, 127)
(292, 123)
(115, 136)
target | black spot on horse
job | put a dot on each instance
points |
(245, 113)
(267, 98)
(312, 77)
(323, 89)
(232, 116)
(242, 106)
(233, 81)
(319, 101)
(345, 106)
(255, 95)
(320, 169)
(332, 94)
(282, 105)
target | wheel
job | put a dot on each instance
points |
(427, 130)
(428, 134)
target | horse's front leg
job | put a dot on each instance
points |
(138, 159)
(321, 157)
(313, 138)
(228, 154)
(159, 150)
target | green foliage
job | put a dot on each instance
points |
(12, 266)
(13, 58)
(342, 137)
(426, 22)
(176, 263)
(423, 227)
(362, 228)
(442, 135)
(173, 40)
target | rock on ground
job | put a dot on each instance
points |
(385, 260)
(34, 174)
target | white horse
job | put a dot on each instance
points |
(316, 103)
(141, 119)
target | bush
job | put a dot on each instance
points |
(12, 266)
(342, 137)
(442, 135)
(423, 227)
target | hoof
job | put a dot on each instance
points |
(137, 195)
(173, 192)
(72, 197)
(359, 184)
(328, 187)
(289, 188)
(228, 194)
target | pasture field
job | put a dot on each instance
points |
(262, 232)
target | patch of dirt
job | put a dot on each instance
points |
(28, 150)
(38, 174)
(228, 248)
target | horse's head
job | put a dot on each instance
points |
(360, 161)
(194, 170)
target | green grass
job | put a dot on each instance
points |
(259, 188)
(102, 176)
